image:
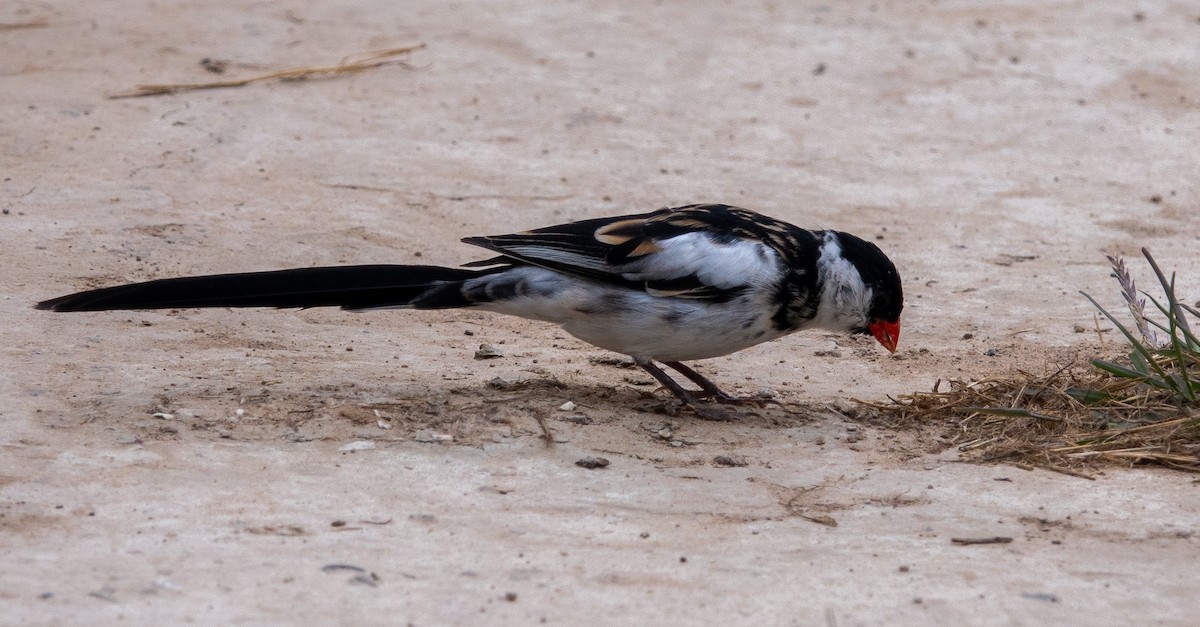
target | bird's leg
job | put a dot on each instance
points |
(710, 389)
(686, 396)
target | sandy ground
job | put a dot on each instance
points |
(996, 154)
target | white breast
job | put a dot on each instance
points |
(634, 323)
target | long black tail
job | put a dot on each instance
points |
(348, 287)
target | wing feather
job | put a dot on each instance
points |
(703, 252)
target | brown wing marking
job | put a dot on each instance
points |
(627, 234)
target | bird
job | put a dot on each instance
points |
(665, 287)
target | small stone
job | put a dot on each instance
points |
(567, 406)
(592, 463)
(430, 437)
(487, 351)
(508, 382)
(1079, 328)
(357, 445)
(610, 360)
(845, 406)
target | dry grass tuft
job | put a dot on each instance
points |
(1066, 421)
(1145, 412)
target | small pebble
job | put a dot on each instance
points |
(428, 436)
(567, 406)
(487, 351)
(357, 445)
(508, 382)
(592, 462)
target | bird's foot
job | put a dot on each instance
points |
(718, 396)
(701, 409)
(699, 400)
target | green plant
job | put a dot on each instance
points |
(1172, 365)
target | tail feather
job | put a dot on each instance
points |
(348, 287)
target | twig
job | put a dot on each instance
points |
(1067, 471)
(991, 540)
(365, 61)
(23, 25)
(539, 415)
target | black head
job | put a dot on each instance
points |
(879, 274)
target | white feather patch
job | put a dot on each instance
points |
(560, 257)
(741, 262)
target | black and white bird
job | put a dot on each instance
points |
(669, 286)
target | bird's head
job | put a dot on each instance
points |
(861, 289)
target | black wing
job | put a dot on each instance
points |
(636, 251)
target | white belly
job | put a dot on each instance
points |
(635, 323)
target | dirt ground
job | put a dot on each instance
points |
(259, 466)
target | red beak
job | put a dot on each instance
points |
(888, 333)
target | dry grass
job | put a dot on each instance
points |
(23, 25)
(349, 65)
(1142, 411)
(1067, 421)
